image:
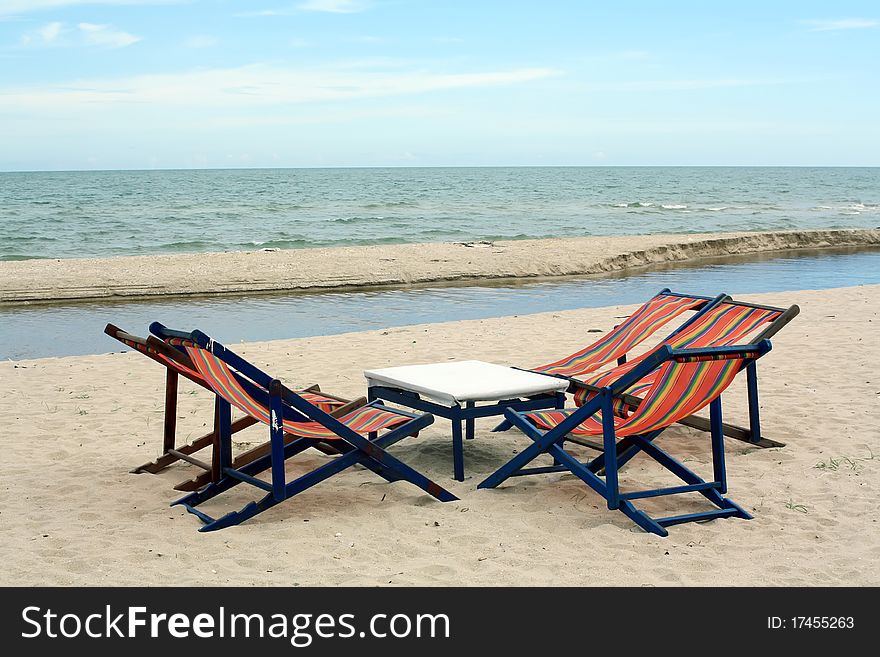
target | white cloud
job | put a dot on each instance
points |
(85, 34)
(106, 36)
(201, 41)
(367, 39)
(633, 55)
(329, 6)
(265, 12)
(681, 85)
(841, 24)
(255, 86)
(616, 57)
(13, 7)
(46, 35)
(50, 31)
(334, 6)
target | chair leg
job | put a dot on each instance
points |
(642, 519)
(504, 425)
(718, 465)
(541, 444)
(170, 427)
(610, 444)
(613, 456)
(371, 454)
(296, 486)
(754, 407)
(248, 457)
(401, 470)
(375, 452)
(316, 476)
(252, 469)
(711, 491)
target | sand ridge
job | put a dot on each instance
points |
(341, 268)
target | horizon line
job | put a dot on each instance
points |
(459, 166)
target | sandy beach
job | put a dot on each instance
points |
(73, 515)
(358, 267)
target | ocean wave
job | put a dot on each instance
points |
(391, 204)
(360, 242)
(673, 206)
(10, 257)
(290, 243)
(433, 232)
(358, 220)
(187, 245)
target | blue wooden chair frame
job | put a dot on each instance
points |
(616, 454)
(284, 403)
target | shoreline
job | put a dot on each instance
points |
(387, 266)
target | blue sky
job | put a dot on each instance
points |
(222, 83)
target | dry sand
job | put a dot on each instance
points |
(393, 265)
(72, 515)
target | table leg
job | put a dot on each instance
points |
(560, 404)
(371, 397)
(469, 423)
(457, 446)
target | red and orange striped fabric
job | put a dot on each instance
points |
(657, 312)
(221, 379)
(679, 389)
(724, 325)
(326, 404)
(168, 362)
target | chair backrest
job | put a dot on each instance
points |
(236, 389)
(650, 317)
(159, 351)
(239, 382)
(727, 323)
(683, 385)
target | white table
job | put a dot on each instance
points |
(452, 390)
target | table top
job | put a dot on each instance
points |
(463, 381)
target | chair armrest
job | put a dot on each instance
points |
(115, 332)
(161, 331)
(171, 353)
(749, 351)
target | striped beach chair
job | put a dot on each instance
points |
(178, 364)
(295, 425)
(726, 323)
(683, 381)
(656, 313)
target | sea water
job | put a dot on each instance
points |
(70, 329)
(109, 213)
